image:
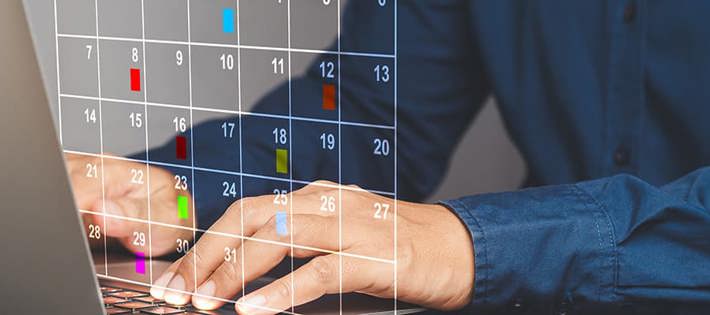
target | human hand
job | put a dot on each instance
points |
(434, 253)
(125, 193)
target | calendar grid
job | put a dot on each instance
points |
(111, 100)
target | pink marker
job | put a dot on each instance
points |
(140, 263)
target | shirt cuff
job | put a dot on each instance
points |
(538, 249)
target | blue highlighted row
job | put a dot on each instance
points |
(229, 20)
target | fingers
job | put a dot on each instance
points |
(318, 277)
(212, 243)
(260, 255)
(182, 273)
(258, 213)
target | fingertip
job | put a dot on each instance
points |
(252, 305)
(204, 297)
(158, 289)
(175, 293)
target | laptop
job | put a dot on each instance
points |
(46, 264)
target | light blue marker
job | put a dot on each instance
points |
(228, 25)
(281, 227)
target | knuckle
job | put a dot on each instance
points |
(322, 270)
(283, 288)
(231, 271)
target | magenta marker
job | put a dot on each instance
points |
(140, 263)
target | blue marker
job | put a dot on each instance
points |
(228, 17)
(281, 227)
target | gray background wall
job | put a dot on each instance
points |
(485, 161)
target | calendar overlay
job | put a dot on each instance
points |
(132, 75)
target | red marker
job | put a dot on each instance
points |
(135, 80)
(328, 96)
(181, 148)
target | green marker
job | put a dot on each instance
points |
(182, 207)
(282, 161)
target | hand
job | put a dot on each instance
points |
(434, 253)
(126, 194)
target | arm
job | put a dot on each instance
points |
(603, 244)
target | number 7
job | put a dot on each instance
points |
(88, 51)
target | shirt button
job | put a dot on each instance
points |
(629, 12)
(622, 156)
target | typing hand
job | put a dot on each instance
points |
(126, 194)
(434, 251)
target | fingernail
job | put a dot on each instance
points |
(203, 301)
(173, 296)
(158, 288)
(251, 304)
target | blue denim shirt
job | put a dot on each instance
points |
(606, 99)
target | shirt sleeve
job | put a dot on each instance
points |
(614, 244)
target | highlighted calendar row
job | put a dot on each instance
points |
(224, 78)
(252, 22)
(272, 147)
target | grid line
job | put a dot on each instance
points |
(147, 154)
(101, 133)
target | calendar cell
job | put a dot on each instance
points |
(319, 98)
(171, 126)
(262, 149)
(218, 70)
(166, 19)
(78, 74)
(314, 24)
(367, 90)
(81, 119)
(76, 17)
(264, 23)
(216, 140)
(370, 148)
(122, 69)
(167, 78)
(214, 21)
(124, 129)
(120, 18)
(318, 144)
(263, 71)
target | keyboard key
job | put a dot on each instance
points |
(128, 294)
(134, 305)
(106, 290)
(115, 311)
(163, 310)
(149, 299)
(110, 300)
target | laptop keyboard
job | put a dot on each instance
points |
(123, 301)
